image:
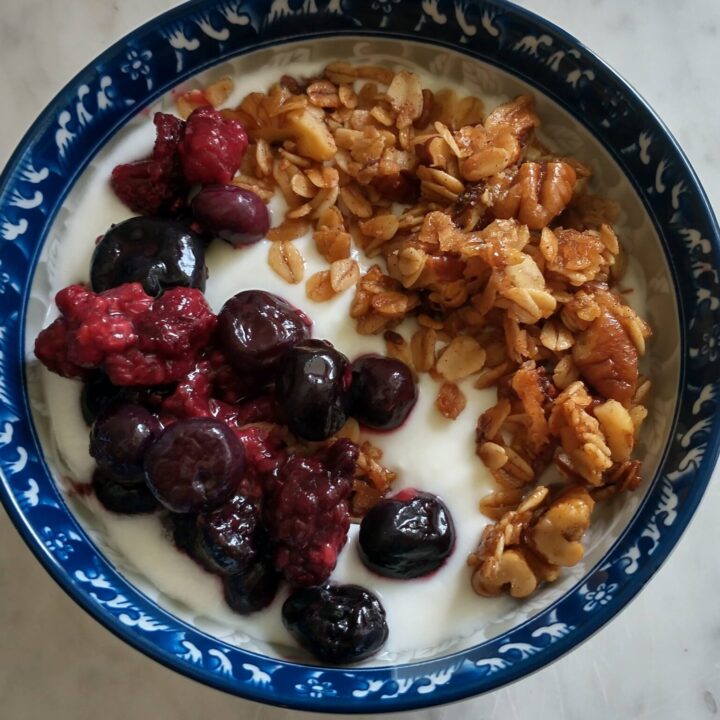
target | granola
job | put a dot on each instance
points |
(490, 248)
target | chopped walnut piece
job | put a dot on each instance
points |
(557, 533)
(511, 570)
(607, 358)
(540, 193)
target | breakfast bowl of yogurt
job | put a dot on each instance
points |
(354, 376)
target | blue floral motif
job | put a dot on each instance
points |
(137, 63)
(315, 688)
(202, 33)
(602, 595)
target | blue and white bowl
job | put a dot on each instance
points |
(493, 48)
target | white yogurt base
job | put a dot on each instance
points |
(428, 452)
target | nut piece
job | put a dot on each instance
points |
(607, 358)
(557, 533)
(287, 261)
(450, 401)
(618, 427)
(511, 569)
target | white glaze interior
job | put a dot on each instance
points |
(428, 452)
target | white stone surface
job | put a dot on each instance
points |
(659, 659)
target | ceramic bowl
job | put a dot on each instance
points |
(494, 49)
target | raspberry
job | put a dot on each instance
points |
(135, 339)
(212, 148)
(154, 185)
(265, 450)
(228, 384)
(307, 513)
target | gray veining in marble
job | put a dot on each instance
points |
(659, 659)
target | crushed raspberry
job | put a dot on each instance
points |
(228, 385)
(212, 147)
(137, 340)
(307, 513)
(155, 185)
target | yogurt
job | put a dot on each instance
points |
(428, 452)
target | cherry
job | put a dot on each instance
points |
(119, 439)
(383, 392)
(406, 536)
(195, 465)
(128, 499)
(313, 386)
(255, 329)
(252, 589)
(156, 252)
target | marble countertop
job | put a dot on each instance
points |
(659, 659)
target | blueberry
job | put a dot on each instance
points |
(338, 624)
(133, 499)
(255, 329)
(227, 539)
(406, 536)
(119, 439)
(252, 589)
(99, 394)
(153, 251)
(182, 527)
(313, 385)
(383, 392)
(195, 465)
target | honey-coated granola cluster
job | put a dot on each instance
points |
(506, 264)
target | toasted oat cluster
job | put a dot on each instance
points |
(504, 264)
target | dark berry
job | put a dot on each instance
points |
(338, 624)
(212, 147)
(256, 328)
(253, 589)
(313, 386)
(133, 499)
(98, 394)
(154, 185)
(307, 513)
(119, 439)
(195, 465)
(406, 536)
(383, 392)
(183, 529)
(153, 251)
(135, 339)
(227, 539)
(232, 213)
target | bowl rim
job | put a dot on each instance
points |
(559, 640)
